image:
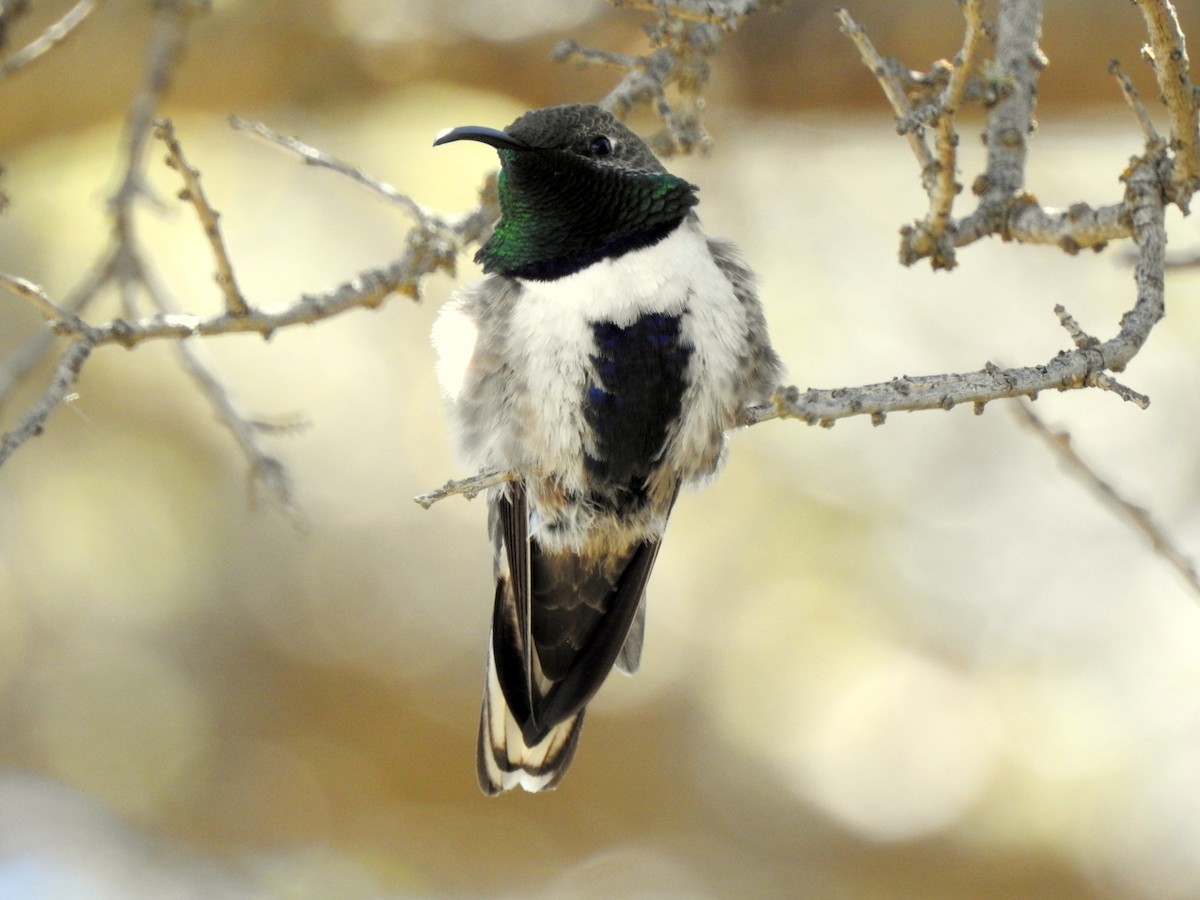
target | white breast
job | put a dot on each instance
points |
(534, 421)
(551, 340)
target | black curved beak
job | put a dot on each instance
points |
(498, 139)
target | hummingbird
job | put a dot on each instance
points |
(601, 362)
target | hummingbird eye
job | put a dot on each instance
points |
(601, 146)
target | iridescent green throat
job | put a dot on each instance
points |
(560, 213)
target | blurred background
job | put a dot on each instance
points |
(910, 661)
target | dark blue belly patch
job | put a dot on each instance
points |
(630, 403)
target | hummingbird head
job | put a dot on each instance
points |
(576, 187)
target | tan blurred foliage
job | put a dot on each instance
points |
(912, 661)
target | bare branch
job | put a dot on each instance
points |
(686, 34)
(1154, 141)
(48, 39)
(265, 469)
(1167, 52)
(120, 261)
(193, 192)
(35, 348)
(893, 90)
(1083, 367)
(429, 249)
(1137, 516)
(36, 295)
(1078, 227)
(938, 224)
(1017, 64)
(311, 156)
(65, 375)
(166, 42)
(467, 487)
(1005, 208)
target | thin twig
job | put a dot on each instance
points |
(1154, 140)
(1167, 52)
(467, 487)
(1137, 516)
(311, 156)
(892, 90)
(686, 34)
(193, 192)
(65, 375)
(48, 39)
(166, 43)
(265, 469)
(1081, 338)
(34, 349)
(36, 295)
(945, 184)
(1106, 382)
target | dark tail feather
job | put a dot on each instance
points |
(630, 657)
(505, 761)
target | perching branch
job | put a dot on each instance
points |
(1085, 366)
(670, 78)
(1005, 209)
(467, 487)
